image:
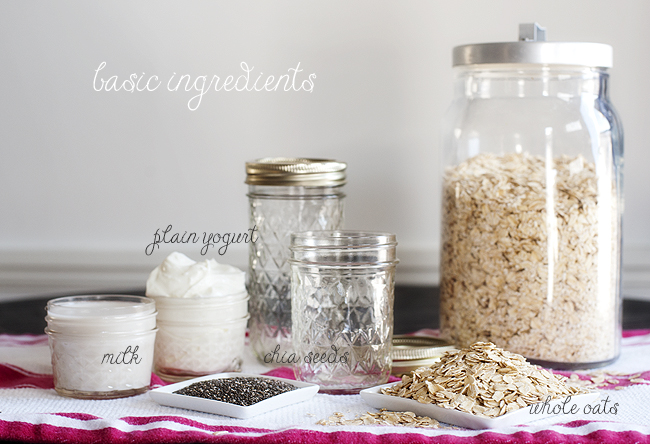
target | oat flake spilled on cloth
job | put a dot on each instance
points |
(384, 417)
(483, 380)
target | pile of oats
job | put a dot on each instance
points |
(384, 417)
(499, 248)
(483, 380)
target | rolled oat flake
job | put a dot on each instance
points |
(532, 201)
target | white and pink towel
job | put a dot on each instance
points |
(31, 411)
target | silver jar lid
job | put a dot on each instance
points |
(532, 48)
(286, 171)
(412, 352)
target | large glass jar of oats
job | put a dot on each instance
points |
(532, 201)
(286, 196)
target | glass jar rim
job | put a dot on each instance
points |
(94, 320)
(342, 239)
(103, 306)
(343, 248)
(194, 324)
(207, 300)
(99, 333)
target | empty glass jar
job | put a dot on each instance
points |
(286, 196)
(531, 232)
(342, 292)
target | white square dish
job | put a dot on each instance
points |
(375, 398)
(166, 396)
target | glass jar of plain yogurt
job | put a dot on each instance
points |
(202, 317)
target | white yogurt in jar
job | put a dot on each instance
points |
(181, 277)
(102, 346)
(202, 316)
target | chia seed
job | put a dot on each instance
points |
(240, 390)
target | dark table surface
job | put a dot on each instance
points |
(415, 308)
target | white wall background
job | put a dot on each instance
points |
(86, 177)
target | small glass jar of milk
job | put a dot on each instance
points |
(102, 346)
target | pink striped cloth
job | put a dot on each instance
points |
(28, 413)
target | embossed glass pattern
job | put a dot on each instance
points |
(278, 211)
(342, 289)
(185, 351)
(101, 346)
(81, 370)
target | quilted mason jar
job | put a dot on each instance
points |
(342, 292)
(200, 336)
(532, 202)
(286, 196)
(102, 346)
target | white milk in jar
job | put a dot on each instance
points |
(101, 346)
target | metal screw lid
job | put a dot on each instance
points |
(412, 352)
(284, 171)
(533, 48)
(418, 347)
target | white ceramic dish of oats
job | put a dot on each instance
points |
(375, 398)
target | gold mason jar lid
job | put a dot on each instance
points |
(284, 171)
(412, 352)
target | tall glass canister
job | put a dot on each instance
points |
(286, 195)
(532, 201)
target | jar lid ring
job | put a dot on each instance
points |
(290, 171)
(532, 48)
